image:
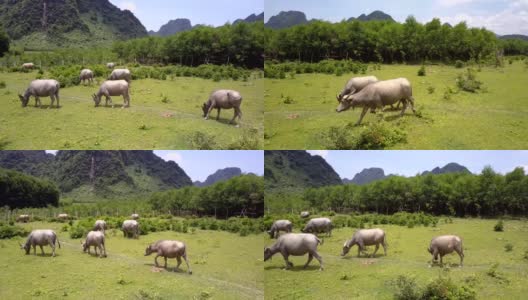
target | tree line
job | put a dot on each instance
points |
(18, 190)
(382, 41)
(455, 194)
(241, 195)
(241, 44)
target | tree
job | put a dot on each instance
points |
(4, 42)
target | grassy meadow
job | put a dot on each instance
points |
(374, 278)
(163, 115)
(299, 111)
(224, 265)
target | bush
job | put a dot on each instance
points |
(459, 64)
(9, 231)
(431, 89)
(468, 81)
(2, 85)
(288, 100)
(379, 136)
(202, 141)
(248, 141)
(407, 289)
(499, 226)
(508, 247)
(421, 71)
(445, 288)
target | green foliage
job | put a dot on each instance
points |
(338, 67)
(18, 190)
(205, 71)
(288, 100)
(431, 89)
(445, 288)
(459, 64)
(468, 81)
(9, 231)
(407, 289)
(4, 42)
(499, 226)
(421, 71)
(249, 140)
(2, 85)
(373, 136)
(508, 247)
(202, 141)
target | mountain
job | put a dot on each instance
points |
(286, 19)
(514, 37)
(219, 175)
(449, 168)
(173, 27)
(366, 176)
(86, 174)
(251, 18)
(374, 16)
(47, 24)
(297, 169)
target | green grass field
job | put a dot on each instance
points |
(224, 265)
(150, 123)
(493, 119)
(370, 278)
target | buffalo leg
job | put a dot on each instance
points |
(95, 249)
(365, 109)
(179, 263)
(384, 247)
(218, 114)
(104, 249)
(52, 101)
(209, 111)
(165, 257)
(310, 257)
(42, 250)
(187, 263)
(405, 104)
(288, 263)
(375, 250)
(461, 254)
(234, 116)
(319, 258)
(34, 249)
(411, 100)
(156, 260)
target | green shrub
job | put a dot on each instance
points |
(421, 71)
(431, 89)
(468, 81)
(202, 141)
(459, 64)
(288, 100)
(508, 247)
(407, 289)
(379, 136)
(9, 231)
(499, 226)
(249, 140)
(445, 288)
(2, 85)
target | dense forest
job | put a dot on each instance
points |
(18, 190)
(387, 42)
(242, 195)
(456, 194)
(241, 44)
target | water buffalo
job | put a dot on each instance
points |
(317, 225)
(284, 225)
(169, 249)
(41, 237)
(445, 244)
(86, 75)
(134, 216)
(225, 99)
(130, 227)
(28, 66)
(100, 225)
(95, 239)
(296, 244)
(305, 214)
(113, 88)
(121, 74)
(41, 88)
(110, 65)
(366, 237)
(378, 95)
(63, 217)
(355, 85)
(23, 218)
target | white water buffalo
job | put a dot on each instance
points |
(23, 218)
(28, 66)
(355, 85)
(86, 75)
(378, 95)
(95, 239)
(113, 88)
(130, 228)
(445, 244)
(41, 237)
(41, 88)
(169, 249)
(225, 99)
(305, 214)
(366, 237)
(121, 74)
(296, 244)
(110, 65)
(134, 216)
(100, 225)
(63, 217)
(318, 225)
(280, 225)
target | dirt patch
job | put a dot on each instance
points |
(292, 116)
(156, 270)
(167, 115)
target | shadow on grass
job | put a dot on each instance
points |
(47, 106)
(299, 268)
(168, 268)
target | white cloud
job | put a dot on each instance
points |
(450, 3)
(322, 153)
(173, 155)
(130, 5)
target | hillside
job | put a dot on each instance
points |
(85, 174)
(219, 175)
(449, 168)
(366, 176)
(286, 19)
(514, 37)
(373, 16)
(251, 18)
(48, 24)
(297, 169)
(173, 27)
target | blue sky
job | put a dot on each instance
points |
(500, 16)
(409, 163)
(200, 164)
(154, 13)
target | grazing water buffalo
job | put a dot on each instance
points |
(41, 88)
(366, 237)
(296, 244)
(121, 74)
(355, 85)
(41, 237)
(110, 65)
(112, 88)
(134, 216)
(130, 227)
(100, 225)
(317, 225)
(379, 94)
(169, 249)
(445, 244)
(284, 225)
(225, 99)
(28, 66)
(23, 218)
(305, 214)
(63, 217)
(86, 75)
(97, 240)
